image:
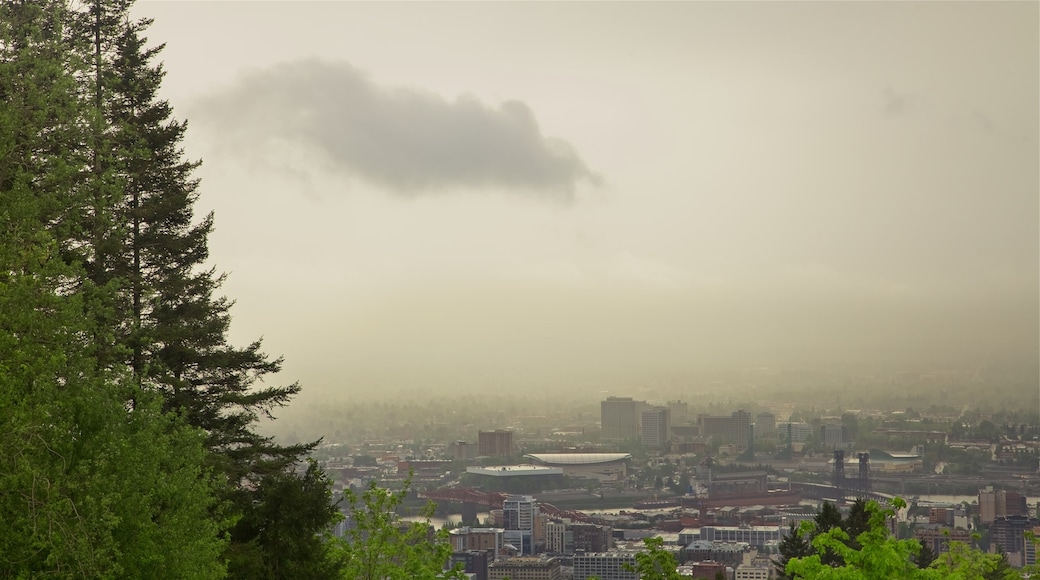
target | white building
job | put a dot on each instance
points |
(604, 565)
(519, 513)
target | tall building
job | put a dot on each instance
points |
(795, 432)
(592, 537)
(741, 428)
(497, 443)
(678, 412)
(619, 418)
(1007, 534)
(558, 538)
(654, 426)
(765, 424)
(833, 435)
(519, 513)
(992, 504)
(715, 425)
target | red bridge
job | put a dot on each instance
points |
(493, 500)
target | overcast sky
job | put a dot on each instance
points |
(472, 193)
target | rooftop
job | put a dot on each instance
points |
(578, 458)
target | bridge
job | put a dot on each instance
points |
(493, 500)
(821, 491)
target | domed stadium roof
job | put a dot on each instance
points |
(577, 458)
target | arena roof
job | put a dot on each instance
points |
(578, 458)
(515, 470)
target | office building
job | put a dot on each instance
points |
(834, 435)
(741, 428)
(938, 539)
(605, 565)
(678, 412)
(716, 425)
(752, 573)
(992, 504)
(519, 513)
(525, 568)
(466, 539)
(1007, 534)
(558, 538)
(497, 443)
(765, 424)
(591, 537)
(619, 418)
(473, 562)
(793, 432)
(759, 537)
(654, 426)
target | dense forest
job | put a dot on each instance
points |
(129, 422)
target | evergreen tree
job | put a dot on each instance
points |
(925, 557)
(828, 519)
(143, 248)
(88, 488)
(795, 544)
(283, 543)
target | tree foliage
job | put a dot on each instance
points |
(875, 553)
(129, 421)
(379, 545)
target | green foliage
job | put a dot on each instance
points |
(128, 421)
(284, 536)
(875, 553)
(655, 563)
(380, 546)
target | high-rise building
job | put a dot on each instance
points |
(765, 424)
(592, 537)
(1007, 534)
(1015, 504)
(715, 425)
(558, 538)
(497, 443)
(654, 426)
(992, 504)
(741, 428)
(519, 513)
(833, 435)
(678, 412)
(619, 418)
(795, 432)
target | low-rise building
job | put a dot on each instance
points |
(525, 568)
(604, 565)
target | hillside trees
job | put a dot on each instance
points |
(88, 488)
(170, 323)
(125, 410)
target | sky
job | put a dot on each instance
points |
(581, 194)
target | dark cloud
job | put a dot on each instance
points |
(404, 139)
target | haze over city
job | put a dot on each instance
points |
(417, 194)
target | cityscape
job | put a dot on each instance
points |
(574, 495)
